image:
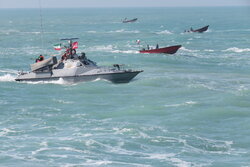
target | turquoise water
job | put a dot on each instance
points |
(187, 109)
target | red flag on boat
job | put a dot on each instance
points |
(75, 45)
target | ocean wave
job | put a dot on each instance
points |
(3, 102)
(124, 31)
(40, 150)
(35, 32)
(62, 101)
(122, 130)
(164, 32)
(97, 162)
(12, 31)
(208, 86)
(205, 145)
(90, 162)
(209, 50)
(237, 50)
(181, 104)
(58, 156)
(71, 149)
(91, 32)
(171, 158)
(6, 131)
(53, 109)
(242, 88)
(8, 32)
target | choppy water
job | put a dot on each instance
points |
(187, 109)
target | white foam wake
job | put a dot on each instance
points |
(188, 50)
(112, 49)
(237, 50)
(209, 50)
(7, 78)
(124, 31)
(233, 30)
(91, 32)
(60, 81)
(8, 75)
(164, 32)
(126, 51)
(181, 104)
(107, 48)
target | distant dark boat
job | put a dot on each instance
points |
(167, 50)
(200, 30)
(129, 21)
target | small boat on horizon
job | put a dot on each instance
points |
(200, 30)
(166, 50)
(129, 21)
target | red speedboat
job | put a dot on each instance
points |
(167, 50)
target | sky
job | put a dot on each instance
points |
(118, 3)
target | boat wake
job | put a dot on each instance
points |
(111, 49)
(126, 51)
(60, 81)
(7, 78)
(233, 30)
(8, 75)
(125, 31)
(182, 104)
(188, 50)
(164, 32)
(237, 50)
(11, 78)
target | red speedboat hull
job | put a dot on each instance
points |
(167, 50)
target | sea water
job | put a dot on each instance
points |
(187, 109)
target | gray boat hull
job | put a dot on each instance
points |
(77, 70)
(115, 77)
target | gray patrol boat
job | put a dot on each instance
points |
(75, 68)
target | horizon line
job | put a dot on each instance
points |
(124, 7)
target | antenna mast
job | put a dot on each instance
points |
(41, 21)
